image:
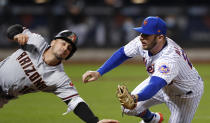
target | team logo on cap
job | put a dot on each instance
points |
(163, 69)
(72, 37)
(145, 22)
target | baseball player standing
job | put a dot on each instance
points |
(37, 66)
(172, 78)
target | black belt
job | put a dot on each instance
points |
(189, 92)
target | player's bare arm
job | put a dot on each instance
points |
(22, 39)
(90, 76)
(116, 59)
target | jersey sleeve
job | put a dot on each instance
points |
(35, 39)
(133, 48)
(166, 69)
(64, 86)
(66, 90)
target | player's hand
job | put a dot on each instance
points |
(108, 121)
(22, 39)
(90, 76)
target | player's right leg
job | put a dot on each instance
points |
(183, 109)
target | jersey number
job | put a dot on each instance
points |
(186, 58)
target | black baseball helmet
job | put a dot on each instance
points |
(69, 37)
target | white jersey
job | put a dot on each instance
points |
(171, 64)
(25, 71)
(184, 87)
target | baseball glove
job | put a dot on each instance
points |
(126, 99)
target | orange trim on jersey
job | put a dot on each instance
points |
(69, 96)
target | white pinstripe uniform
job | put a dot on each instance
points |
(25, 72)
(184, 87)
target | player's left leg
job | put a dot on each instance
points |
(142, 108)
(158, 118)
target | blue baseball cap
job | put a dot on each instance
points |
(152, 25)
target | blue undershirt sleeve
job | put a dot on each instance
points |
(155, 84)
(115, 60)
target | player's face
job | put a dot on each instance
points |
(148, 41)
(61, 48)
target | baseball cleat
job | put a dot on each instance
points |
(158, 118)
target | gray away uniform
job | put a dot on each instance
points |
(25, 72)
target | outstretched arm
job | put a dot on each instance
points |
(115, 60)
(83, 111)
(155, 84)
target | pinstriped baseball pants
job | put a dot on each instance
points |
(182, 108)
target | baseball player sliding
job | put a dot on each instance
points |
(172, 78)
(37, 66)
